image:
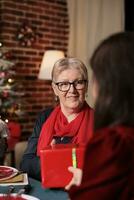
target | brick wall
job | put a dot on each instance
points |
(49, 21)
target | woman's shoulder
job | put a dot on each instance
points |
(114, 137)
(112, 142)
(120, 130)
(43, 115)
(40, 119)
(45, 112)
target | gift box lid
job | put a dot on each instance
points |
(55, 161)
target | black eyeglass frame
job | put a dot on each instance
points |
(71, 83)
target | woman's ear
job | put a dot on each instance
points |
(86, 88)
(94, 88)
(54, 89)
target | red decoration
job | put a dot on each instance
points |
(26, 35)
(55, 162)
(14, 129)
(2, 74)
(5, 93)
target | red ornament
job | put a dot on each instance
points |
(5, 93)
(14, 129)
(2, 74)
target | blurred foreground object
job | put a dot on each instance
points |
(4, 132)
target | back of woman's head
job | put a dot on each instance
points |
(113, 68)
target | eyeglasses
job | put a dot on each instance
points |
(77, 84)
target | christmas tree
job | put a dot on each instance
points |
(10, 88)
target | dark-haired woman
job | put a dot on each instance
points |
(108, 172)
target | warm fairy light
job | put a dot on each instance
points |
(6, 120)
(10, 80)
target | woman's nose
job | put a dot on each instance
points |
(72, 88)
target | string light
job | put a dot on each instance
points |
(10, 80)
(6, 120)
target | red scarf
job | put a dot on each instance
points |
(81, 128)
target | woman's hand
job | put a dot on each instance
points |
(77, 177)
(53, 142)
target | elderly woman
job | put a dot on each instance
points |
(69, 122)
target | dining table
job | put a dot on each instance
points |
(35, 188)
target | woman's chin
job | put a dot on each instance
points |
(74, 105)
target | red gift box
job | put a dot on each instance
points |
(55, 162)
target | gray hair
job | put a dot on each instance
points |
(69, 63)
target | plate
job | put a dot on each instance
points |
(24, 197)
(7, 172)
(29, 197)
